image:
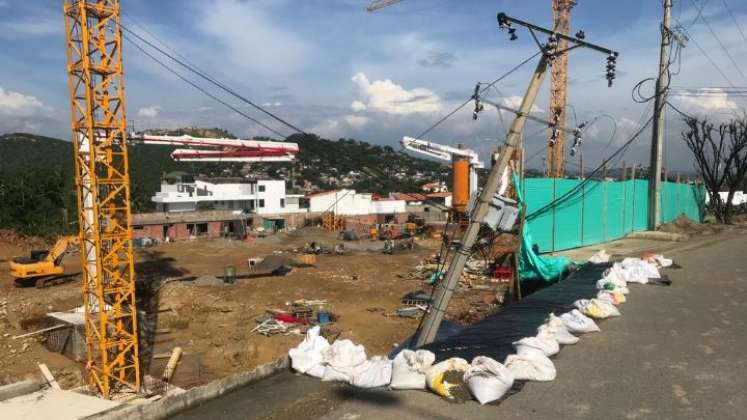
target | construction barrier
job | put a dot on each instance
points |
(600, 211)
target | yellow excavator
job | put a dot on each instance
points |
(43, 268)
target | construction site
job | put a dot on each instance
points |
(164, 270)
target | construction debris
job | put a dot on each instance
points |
(168, 371)
(48, 376)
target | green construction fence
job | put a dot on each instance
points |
(600, 211)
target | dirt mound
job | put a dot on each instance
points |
(683, 224)
(11, 237)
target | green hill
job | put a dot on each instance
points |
(36, 174)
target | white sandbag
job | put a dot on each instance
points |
(555, 328)
(372, 373)
(612, 296)
(534, 367)
(333, 374)
(340, 359)
(596, 308)
(578, 323)
(663, 262)
(544, 345)
(344, 353)
(317, 371)
(600, 257)
(309, 353)
(604, 284)
(639, 271)
(408, 369)
(438, 382)
(616, 275)
(488, 380)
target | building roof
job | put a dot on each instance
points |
(157, 218)
(438, 195)
(409, 196)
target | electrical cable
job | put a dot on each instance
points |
(721, 44)
(488, 86)
(568, 195)
(211, 80)
(201, 89)
(704, 53)
(734, 19)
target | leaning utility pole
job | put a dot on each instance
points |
(561, 10)
(550, 51)
(657, 140)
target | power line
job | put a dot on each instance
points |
(211, 80)
(570, 194)
(733, 18)
(721, 44)
(705, 54)
(488, 86)
(200, 88)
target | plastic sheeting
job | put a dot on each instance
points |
(531, 265)
(601, 211)
(493, 336)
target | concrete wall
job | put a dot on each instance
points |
(173, 404)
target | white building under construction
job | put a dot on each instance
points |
(256, 196)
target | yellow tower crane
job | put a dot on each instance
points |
(97, 102)
(561, 10)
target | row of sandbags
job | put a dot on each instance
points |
(484, 379)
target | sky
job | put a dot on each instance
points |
(332, 68)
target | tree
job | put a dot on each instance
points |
(720, 159)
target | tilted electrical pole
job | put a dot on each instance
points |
(657, 140)
(550, 51)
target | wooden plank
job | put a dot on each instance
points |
(41, 331)
(48, 376)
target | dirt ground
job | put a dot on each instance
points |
(212, 321)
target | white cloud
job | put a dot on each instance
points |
(514, 102)
(356, 121)
(152, 111)
(251, 38)
(14, 103)
(272, 104)
(30, 28)
(391, 98)
(714, 99)
(358, 106)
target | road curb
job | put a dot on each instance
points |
(173, 404)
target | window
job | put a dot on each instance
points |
(261, 203)
(282, 203)
(261, 188)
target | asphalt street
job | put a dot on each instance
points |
(677, 352)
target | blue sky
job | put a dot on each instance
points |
(332, 68)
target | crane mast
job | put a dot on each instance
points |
(561, 10)
(97, 103)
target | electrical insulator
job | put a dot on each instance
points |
(478, 105)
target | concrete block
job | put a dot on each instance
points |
(19, 388)
(659, 236)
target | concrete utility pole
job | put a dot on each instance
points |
(445, 290)
(657, 141)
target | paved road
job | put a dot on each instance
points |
(676, 353)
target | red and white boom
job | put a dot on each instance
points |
(222, 149)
